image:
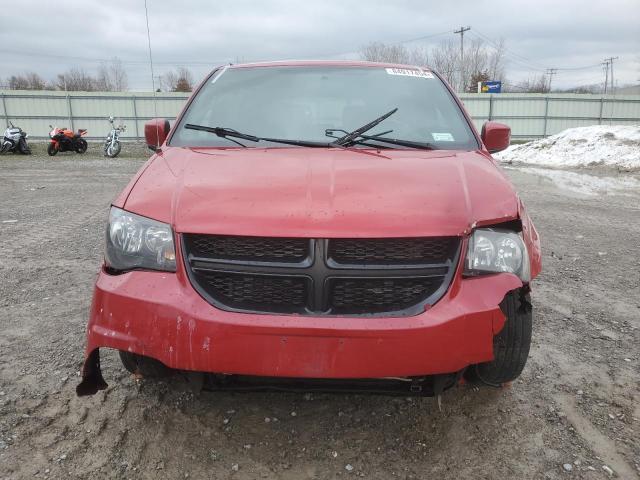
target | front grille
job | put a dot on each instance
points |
(320, 276)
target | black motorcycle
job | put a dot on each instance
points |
(14, 140)
(65, 140)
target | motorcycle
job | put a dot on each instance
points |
(112, 144)
(14, 140)
(65, 140)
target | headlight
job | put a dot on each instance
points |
(138, 242)
(494, 250)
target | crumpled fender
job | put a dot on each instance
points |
(531, 240)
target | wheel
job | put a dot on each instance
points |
(23, 147)
(114, 150)
(52, 149)
(81, 145)
(511, 345)
(145, 366)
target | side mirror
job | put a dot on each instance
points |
(156, 132)
(495, 136)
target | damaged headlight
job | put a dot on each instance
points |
(136, 242)
(493, 250)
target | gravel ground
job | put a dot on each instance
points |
(574, 413)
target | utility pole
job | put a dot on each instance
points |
(606, 74)
(551, 72)
(609, 61)
(461, 32)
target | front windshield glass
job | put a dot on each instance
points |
(302, 102)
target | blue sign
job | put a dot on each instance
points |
(490, 87)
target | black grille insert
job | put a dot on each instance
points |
(391, 250)
(320, 276)
(260, 292)
(373, 295)
(266, 249)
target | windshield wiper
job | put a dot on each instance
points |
(230, 134)
(361, 140)
(351, 136)
(401, 142)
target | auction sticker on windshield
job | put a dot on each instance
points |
(442, 137)
(407, 72)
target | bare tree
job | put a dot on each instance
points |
(179, 80)
(537, 84)
(27, 81)
(388, 53)
(496, 61)
(111, 76)
(76, 80)
(445, 58)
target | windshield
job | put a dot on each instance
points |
(304, 102)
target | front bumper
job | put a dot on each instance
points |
(160, 315)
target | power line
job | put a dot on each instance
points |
(98, 59)
(586, 67)
(426, 37)
(515, 56)
(527, 62)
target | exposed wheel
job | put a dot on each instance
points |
(81, 145)
(145, 366)
(52, 149)
(511, 345)
(113, 149)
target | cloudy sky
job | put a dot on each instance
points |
(573, 36)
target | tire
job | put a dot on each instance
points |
(511, 345)
(52, 149)
(113, 151)
(81, 145)
(23, 147)
(145, 366)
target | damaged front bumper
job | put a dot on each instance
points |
(159, 315)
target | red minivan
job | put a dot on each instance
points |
(333, 225)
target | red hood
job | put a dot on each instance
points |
(313, 192)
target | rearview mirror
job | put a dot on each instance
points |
(156, 132)
(496, 136)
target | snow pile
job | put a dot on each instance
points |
(586, 184)
(610, 145)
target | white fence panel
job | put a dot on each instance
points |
(529, 115)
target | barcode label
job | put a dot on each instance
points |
(407, 72)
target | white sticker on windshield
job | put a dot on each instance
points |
(442, 137)
(407, 72)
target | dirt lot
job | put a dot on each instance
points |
(575, 412)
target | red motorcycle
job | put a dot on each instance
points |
(65, 140)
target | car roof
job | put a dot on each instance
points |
(325, 63)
